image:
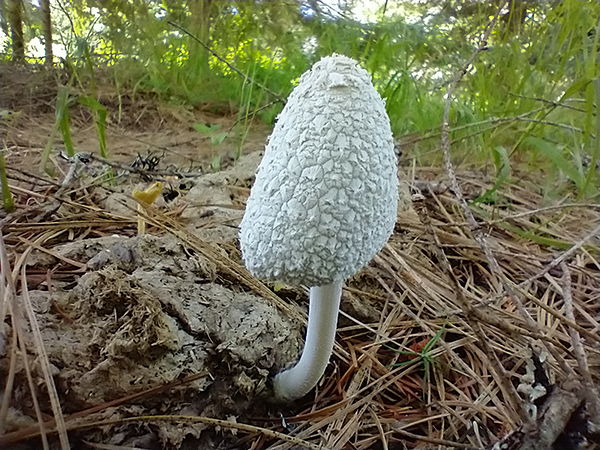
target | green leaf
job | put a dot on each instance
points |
(101, 128)
(215, 164)
(554, 154)
(576, 86)
(278, 286)
(205, 128)
(100, 114)
(7, 115)
(434, 340)
(218, 138)
(62, 118)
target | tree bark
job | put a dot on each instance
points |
(47, 32)
(15, 18)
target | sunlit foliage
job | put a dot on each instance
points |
(532, 95)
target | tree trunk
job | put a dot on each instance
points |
(200, 12)
(4, 17)
(15, 18)
(47, 31)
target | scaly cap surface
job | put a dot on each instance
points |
(326, 192)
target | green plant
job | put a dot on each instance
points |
(502, 163)
(424, 356)
(63, 102)
(100, 114)
(216, 139)
(8, 202)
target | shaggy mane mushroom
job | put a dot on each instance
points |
(324, 201)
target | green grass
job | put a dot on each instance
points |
(8, 202)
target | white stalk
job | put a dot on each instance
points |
(323, 308)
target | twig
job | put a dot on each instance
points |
(563, 257)
(470, 218)
(205, 420)
(164, 148)
(127, 168)
(475, 228)
(224, 61)
(502, 377)
(28, 176)
(550, 102)
(578, 349)
(541, 210)
(555, 124)
(494, 120)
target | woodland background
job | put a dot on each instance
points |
(478, 323)
(528, 98)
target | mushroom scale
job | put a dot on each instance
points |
(325, 197)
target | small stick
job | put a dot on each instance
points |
(475, 228)
(578, 350)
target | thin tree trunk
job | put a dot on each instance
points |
(47, 31)
(15, 17)
(200, 12)
(4, 17)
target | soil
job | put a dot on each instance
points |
(141, 311)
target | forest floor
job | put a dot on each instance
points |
(162, 339)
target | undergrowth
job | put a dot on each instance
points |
(529, 101)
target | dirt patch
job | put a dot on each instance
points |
(139, 125)
(148, 313)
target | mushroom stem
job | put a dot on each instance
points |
(323, 308)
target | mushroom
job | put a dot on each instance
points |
(324, 201)
(146, 197)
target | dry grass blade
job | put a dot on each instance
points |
(18, 325)
(207, 421)
(382, 436)
(9, 384)
(45, 365)
(578, 349)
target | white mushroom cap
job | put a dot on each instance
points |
(326, 192)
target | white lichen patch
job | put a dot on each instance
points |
(326, 192)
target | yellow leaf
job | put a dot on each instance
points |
(150, 195)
